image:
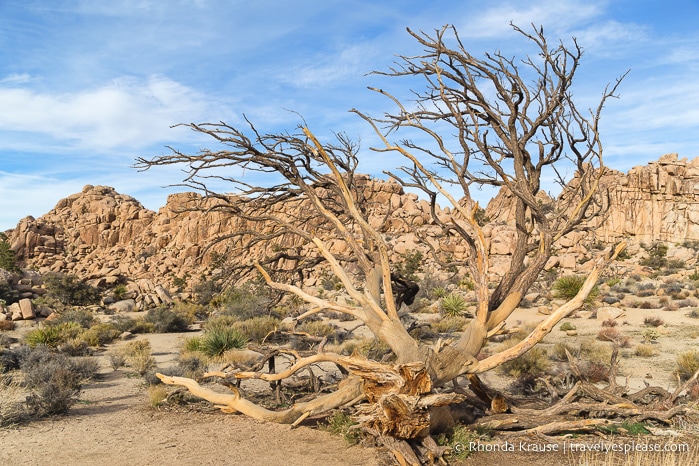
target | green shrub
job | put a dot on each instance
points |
(534, 362)
(166, 320)
(317, 328)
(459, 439)
(409, 264)
(568, 286)
(340, 423)
(100, 334)
(453, 305)
(656, 256)
(245, 302)
(257, 328)
(49, 336)
(566, 326)
(7, 255)
(70, 290)
(119, 291)
(645, 350)
(218, 340)
(370, 348)
(82, 317)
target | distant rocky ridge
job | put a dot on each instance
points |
(105, 237)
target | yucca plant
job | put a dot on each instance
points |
(453, 305)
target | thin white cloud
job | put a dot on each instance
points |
(14, 79)
(125, 113)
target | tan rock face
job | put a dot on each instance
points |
(103, 236)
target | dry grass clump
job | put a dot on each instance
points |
(687, 364)
(258, 329)
(370, 348)
(645, 350)
(138, 356)
(534, 362)
(653, 321)
(449, 324)
(609, 323)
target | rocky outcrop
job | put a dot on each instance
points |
(107, 238)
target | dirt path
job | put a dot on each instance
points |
(114, 424)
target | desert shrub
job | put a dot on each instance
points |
(12, 401)
(8, 295)
(192, 344)
(534, 362)
(608, 334)
(217, 340)
(694, 314)
(48, 336)
(82, 317)
(645, 293)
(687, 364)
(138, 356)
(609, 323)
(650, 335)
(566, 326)
(449, 324)
(568, 286)
(611, 299)
(558, 351)
(7, 255)
(54, 380)
(653, 321)
(595, 352)
(340, 423)
(409, 264)
(117, 358)
(453, 305)
(191, 365)
(258, 328)
(645, 350)
(119, 291)
(100, 334)
(370, 348)
(157, 394)
(128, 324)
(439, 292)
(70, 290)
(656, 256)
(245, 302)
(317, 328)
(74, 347)
(191, 311)
(686, 303)
(166, 320)
(460, 435)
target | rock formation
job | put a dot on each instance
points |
(107, 238)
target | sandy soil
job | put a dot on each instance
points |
(114, 423)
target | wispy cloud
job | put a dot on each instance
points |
(124, 114)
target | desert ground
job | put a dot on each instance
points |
(114, 422)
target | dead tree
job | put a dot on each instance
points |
(492, 121)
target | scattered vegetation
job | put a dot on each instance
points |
(568, 286)
(340, 423)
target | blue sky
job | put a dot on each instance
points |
(87, 86)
